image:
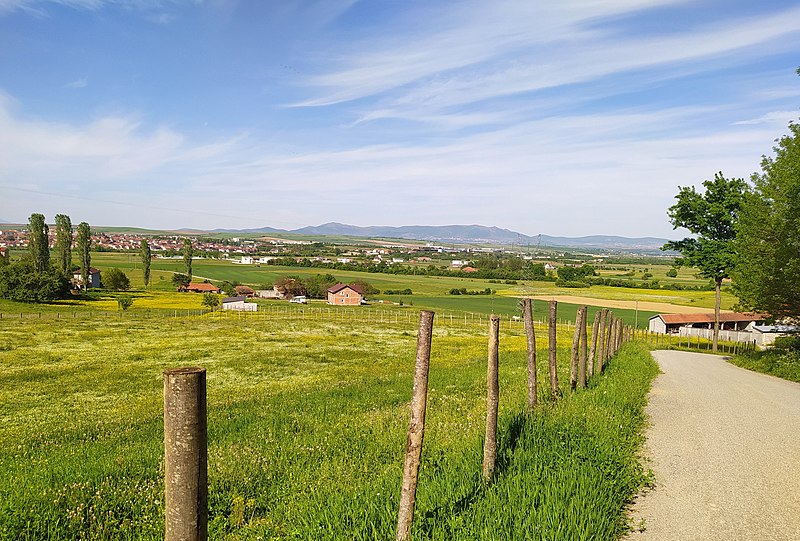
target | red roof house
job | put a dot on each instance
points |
(343, 294)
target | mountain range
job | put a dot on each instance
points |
(469, 234)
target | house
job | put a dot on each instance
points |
(244, 291)
(269, 293)
(94, 278)
(728, 321)
(202, 287)
(765, 335)
(239, 304)
(469, 269)
(342, 294)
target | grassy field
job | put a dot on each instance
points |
(307, 423)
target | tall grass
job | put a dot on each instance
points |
(307, 424)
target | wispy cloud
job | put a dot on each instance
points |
(78, 83)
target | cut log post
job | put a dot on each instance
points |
(185, 455)
(552, 350)
(601, 346)
(582, 358)
(530, 335)
(590, 363)
(492, 398)
(416, 428)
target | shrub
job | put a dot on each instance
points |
(672, 273)
(20, 282)
(116, 279)
(789, 343)
(124, 302)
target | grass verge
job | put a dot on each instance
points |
(775, 362)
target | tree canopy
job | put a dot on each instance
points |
(64, 242)
(83, 241)
(115, 279)
(38, 242)
(146, 258)
(767, 275)
(188, 252)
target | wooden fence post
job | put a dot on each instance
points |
(601, 346)
(185, 455)
(416, 428)
(492, 398)
(530, 335)
(582, 358)
(552, 349)
(590, 361)
(576, 344)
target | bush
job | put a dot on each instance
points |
(789, 343)
(124, 302)
(116, 279)
(576, 284)
(405, 291)
(672, 273)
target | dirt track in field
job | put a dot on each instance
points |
(724, 445)
(648, 306)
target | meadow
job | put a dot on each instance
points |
(307, 421)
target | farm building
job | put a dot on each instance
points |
(345, 294)
(196, 287)
(728, 321)
(94, 278)
(269, 293)
(239, 304)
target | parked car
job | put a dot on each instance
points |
(300, 299)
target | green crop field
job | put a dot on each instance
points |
(307, 421)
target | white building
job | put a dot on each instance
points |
(239, 304)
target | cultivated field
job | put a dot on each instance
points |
(307, 421)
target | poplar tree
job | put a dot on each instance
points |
(146, 256)
(38, 242)
(187, 257)
(84, 244)
(64, 242)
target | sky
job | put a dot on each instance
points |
(573, 118)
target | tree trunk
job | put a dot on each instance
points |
(552, 350)
(527, 314)
(717, 302)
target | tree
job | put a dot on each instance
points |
(6, 259)
(767, 275)
(38, 242)
(712, 218)
(83, 242)
(366, 288)
(290, 286)
(124, 302)
(210, 300)
(146, 257)
(116, 279)
(64, 242)
(187, 257)
(21, 282)
(181, 281)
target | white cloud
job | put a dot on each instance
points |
(78, 83)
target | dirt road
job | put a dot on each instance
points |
(724, 445)
(650, 306)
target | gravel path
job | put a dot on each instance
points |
(724, 445)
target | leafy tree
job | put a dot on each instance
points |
(767, 274)
(366, 288)
(317, 286)
(712, 218)
(146, 258)
(290, 286)
(181, 281)
(83, 241)
(210, 300)
(64, 242)
(188, 252)
(229, 288)
(6, 259)
(116, 279)
(38, 243)
(672, 273)
(124, 302)
(21, 282)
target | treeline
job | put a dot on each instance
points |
(35, 277)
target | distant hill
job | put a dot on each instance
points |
(469, 234)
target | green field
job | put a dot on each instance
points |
(307, 421)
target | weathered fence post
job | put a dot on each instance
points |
(416, 428)
(583, 346)
(185, 455)
(593, 350)
(530, 335)
(492, 397)
(576, 344)
(552, 350)
(601, 351)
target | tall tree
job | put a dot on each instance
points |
(64, 242)
(767, 275)
(146, 257)
(38, 242)
(711, 217)
(83, 242)
(188, 252)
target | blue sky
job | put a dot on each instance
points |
(565, 118)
